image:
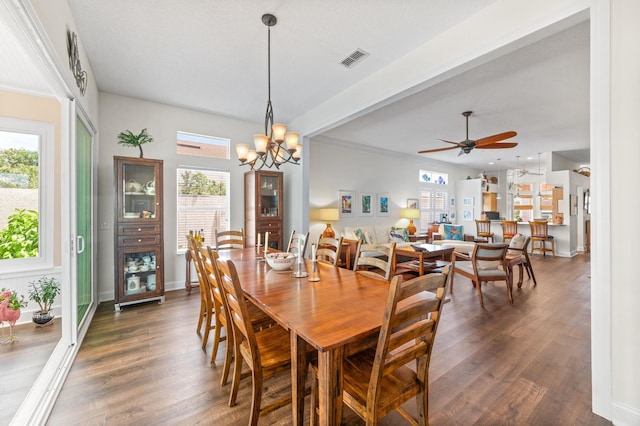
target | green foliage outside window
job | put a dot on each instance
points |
(18, 162)
(20, 238)
(197, 183)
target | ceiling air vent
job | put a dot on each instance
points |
(357, 56)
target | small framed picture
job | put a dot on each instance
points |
(467, 201)
(347, 203)
(467, 215)
(383, 204)
(452, 202)
(452, 216)
(366, 204)
(412, 203)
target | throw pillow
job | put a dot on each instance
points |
(403, 231)
(488, 264)
(369, 237)
(453, 232)
(517, 241)
(360, 235)
(396, 236)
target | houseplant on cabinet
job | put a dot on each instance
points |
(10, 304)
(130, 139)
(44, 291)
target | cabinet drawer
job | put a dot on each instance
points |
(136, 240)
(136, 229)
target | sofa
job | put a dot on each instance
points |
(374, 234)
(453, 235)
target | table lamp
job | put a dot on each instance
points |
(410, 214)
(327, 215)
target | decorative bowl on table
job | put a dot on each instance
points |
(281, 261)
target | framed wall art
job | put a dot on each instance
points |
(347, 201)
(367, 203)
(383, 204)
(412, 203)
(467, 201)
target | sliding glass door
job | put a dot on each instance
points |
(84, 182)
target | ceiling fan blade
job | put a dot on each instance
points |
(498, 145)
(437, 149)
(495, 138)
(454, 143)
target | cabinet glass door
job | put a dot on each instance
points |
(139, 198)
(269, 196)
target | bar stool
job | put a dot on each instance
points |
(483, 231)
(509, 229)
(540, 235)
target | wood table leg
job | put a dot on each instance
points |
(298, 377)
(330, 382)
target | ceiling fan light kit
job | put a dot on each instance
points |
(467, 145)
(276, 146)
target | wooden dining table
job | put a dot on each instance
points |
(341, 308)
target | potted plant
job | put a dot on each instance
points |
(130, 139)
(44, 291)
(10, 304)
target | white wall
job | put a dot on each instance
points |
(119, 113)
(336, 166)
(624, 154)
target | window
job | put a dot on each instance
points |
(426, 176)
(26, 187)
(202, 146)
(203, 203)
(433, 203)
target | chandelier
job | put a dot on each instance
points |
(276, 146)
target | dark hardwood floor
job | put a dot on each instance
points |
(521, 364)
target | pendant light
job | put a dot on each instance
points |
(499, 197)
(275, 146)
(539, 178)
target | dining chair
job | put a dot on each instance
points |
(219, 314)
(483, 231)
(329, 250)
(380, 379)
(266, 352)
(297, 243)
(376, 259)
(205, 318)
(509, 229)
(229, 239)
(540, 235)
(517, 254)
(487, 262)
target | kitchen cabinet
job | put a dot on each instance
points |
(138, 231)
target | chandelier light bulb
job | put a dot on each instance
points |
(242, 150)
(279, 131)
(291, 139)
(260, 142)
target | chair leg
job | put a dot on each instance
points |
(510, 287)
(216, 336)
(453, 274)
(228, 356)
(235, 381)
(256, 397)
(530, 269)
(202, 315)
(479, 288)
(520, 275)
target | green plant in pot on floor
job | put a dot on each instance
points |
(43, 291)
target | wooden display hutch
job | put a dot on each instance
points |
(263, 212)
(139, 254)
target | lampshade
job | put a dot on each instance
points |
(242, 150)
(410, 213)
(326, 215)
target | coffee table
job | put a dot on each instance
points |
(424, 257)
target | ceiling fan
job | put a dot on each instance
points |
(467, 145)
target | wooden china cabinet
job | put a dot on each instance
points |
(139, 253)
(263, 212)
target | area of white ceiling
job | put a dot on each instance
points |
(212, 56)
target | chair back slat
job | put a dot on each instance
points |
(376, 256)
(229, 239)
(297, 243)
(329, 250)
(408, 328)
(238, 312)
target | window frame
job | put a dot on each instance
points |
(437, 191)
(46, 144)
